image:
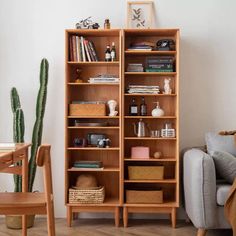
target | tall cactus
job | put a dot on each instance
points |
(18, 130)
(38, 126)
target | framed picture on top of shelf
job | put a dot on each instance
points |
(139, 14)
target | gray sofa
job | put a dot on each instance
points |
(204, 195)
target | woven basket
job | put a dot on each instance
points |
(87, 109)
(87, 196)
(146, 172)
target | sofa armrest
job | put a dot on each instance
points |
(200, 188)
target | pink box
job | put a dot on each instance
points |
(140, 152)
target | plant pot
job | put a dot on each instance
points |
(15, 222)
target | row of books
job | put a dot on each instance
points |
(82, 50)
(160, 64)
(143, 89)
(86, 165)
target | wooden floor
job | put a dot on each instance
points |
(104, 227)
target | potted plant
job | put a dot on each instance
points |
(18, 137)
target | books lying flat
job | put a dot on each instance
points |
(132, 67)
(7, 147)
(87, 168)
(104, 78)
(88, 164)
(142, 89)
(158, 70)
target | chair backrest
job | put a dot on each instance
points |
(43, 159)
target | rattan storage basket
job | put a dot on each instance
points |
(146, 172)
(87, 110)
(94, 195)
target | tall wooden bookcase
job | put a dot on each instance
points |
(110, 176)
(117, 158)
(169, 147)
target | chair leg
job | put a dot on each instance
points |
(201, 232)
(125, 216)
(69, 216)
(173, 217)
(51, 219)
(24, 225)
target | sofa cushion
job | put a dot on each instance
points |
(225, 164)
(216, 142)
(222, 191)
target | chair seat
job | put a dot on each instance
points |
(222, 192)
(22, 200)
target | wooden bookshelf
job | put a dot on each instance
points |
(110, 176)
(169, 147)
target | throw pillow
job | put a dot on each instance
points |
(216, 142)
(225, 164)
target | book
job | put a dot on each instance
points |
(74, 48)
(158, 70)
(92, 46)
(83, 50)
(71, 58)
(86, 49)
(78, 48)
(87, 169)
(90, 52)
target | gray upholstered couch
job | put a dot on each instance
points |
(204, 195)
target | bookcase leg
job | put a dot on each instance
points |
(125, 216)
(173, 217)
(69, 216)
(117, 216)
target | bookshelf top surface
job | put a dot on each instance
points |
(94, 32)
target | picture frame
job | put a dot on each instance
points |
(139, 14)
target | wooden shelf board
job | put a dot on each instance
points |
(150, 32)
(164, 204)
(98, 117)
(152, 159)
(150, 117)
(146, 52)
(106, 169)
(107, 202)
(160, 181)
(147, 138)
(93, 84)
(95, 32)
(151, 73)
(94, 63)
(93, 127)
(151, 95)
(93, 148)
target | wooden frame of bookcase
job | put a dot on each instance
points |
(88, 91)
(169, 185)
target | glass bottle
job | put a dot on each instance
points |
(113, 52)
(143, 108)
(107, 24)
(133, 108)
(108, 54)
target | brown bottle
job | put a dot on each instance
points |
(107, 24)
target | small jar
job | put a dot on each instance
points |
(107, 24)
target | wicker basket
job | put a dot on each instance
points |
(87, 109)
(146, 172)
(94, 195)
(144, 196)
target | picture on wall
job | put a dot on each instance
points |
(139, 14)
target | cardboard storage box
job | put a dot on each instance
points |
(87, 110)
(144, 196)
(146, 172)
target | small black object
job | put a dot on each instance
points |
(93, 138)
(165, 45)
(104, 143)
(87, 24)
(80, 142)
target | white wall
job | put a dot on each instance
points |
(30, 30)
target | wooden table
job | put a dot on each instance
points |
(8, 159)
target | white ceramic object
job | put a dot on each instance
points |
(112, 107)
(157, 112)
(167, 89)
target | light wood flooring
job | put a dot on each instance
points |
(105, 227)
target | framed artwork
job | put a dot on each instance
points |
(139, 14)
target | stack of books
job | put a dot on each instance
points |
(142, 89)
(7, 147)
(160, 64)
(135, 67)
(105, 78)
(86, 165)
(141, 46)
(82, 49)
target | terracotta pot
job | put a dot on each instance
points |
(15, 222)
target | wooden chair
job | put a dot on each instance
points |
(33, 203)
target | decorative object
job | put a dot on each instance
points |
(93, 138)
(104, 143)
(78, 74)
(87, 24)
(145, 172)
(38, 126)
(167, 89)
(157, 112)
(140, 152)
(112, 107)
(157, 155)
(80, 142)
(107, 24)
(165, 45)
(155, 133)
(140, 14)
(141, 128)
(144, 196)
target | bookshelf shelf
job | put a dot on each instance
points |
(163, 159)
(149, 138)
(94, 63)
(94, 84)
(95, 117)
(149, 95)
(93, 127)
(145, 53)
(150, 117)
(151, 73)
(145, 181)
(106, 169)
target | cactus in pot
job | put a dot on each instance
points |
(19, 127)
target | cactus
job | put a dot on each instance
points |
(19, 127)
(18, 130)
(38, 126)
